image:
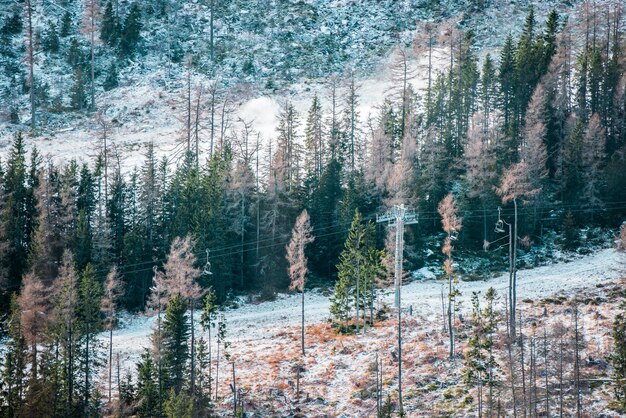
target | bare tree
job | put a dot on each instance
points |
(301, 235)
(30, 59)
(452, 224)
(533, 150)
(90, 27)
(34, 301)
(425, 42)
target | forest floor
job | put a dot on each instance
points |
(338, 375)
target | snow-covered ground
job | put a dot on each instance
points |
(144, 110)
(148, 106)
(260, 322)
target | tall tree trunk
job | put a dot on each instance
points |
(119, 378)
(400, 352)
(450, 324)
(193, 349)
(243, 231)
(512, 373)
(110, 360)
(189, 106)
(302, 319)
(211, 29)
(545, 361)
(234, 392)
(521, 343)
(70, 366)
(577, 363)
(31, 63)
(443, 310)
(92, 31)
(561, 378)
(217, 369)
(358, 285)
(258, 217)
(86, 393)
(511, 310)
(160, 361)
(210, 365)
(514, 307)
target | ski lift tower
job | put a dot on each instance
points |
(398, 216)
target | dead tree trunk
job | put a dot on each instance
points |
(31, 62)
(545, 362)
(521, 344)
(577, 362)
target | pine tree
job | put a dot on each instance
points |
(475, 368)
(53, 225)
(109, 29)
(66, 24)
(355, 266)
(221, 342)
(16, 227)
(13, 378)
(324, 208)
(570, 233)
(351, 146)
(111, 81)
(78, 97)
(288, 157)
(314, 139)
(179, 405)
(549, 46)
(207, 320)
(298, 262)
(51, 43)
(109, 306)
(131, 31)
(479, 173)
(66, 324)
(147, 389)
(202, 397)
(507, 77)
(175, 337)
(89, 324)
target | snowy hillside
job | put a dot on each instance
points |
(204, 206)
(251, 322)
(264, 338)
(148, 105)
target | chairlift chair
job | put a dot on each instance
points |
(207, 267)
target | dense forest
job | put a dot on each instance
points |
(533, 136)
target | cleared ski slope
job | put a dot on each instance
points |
(263, 320)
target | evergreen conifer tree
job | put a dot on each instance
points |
(175, 337)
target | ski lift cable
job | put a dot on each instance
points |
(225, 251)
